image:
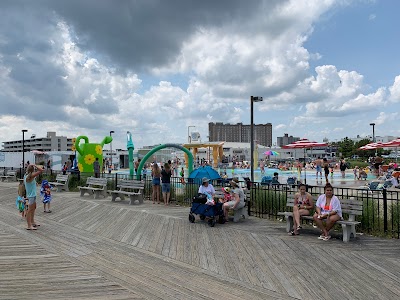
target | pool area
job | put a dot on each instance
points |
(309, 175)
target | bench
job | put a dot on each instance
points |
(61, 183)
(240, 213)
(132, 188)
(95, 186)
(9, 176)
(350, 207)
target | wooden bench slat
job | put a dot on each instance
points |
(132, 188)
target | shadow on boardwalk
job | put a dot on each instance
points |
(98, 249)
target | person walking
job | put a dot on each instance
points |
(96, 168)
(166, 183)
(30, 187)
(318, 166)
(343, 167)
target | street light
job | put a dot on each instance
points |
(23, 149)
(189, 138)
(252, 99)
(111, 132)
(373, 136)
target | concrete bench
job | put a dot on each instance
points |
(350, 207)
(61, 183)
(9, 176)
(132, 188)
(95, 186)
(240, 213)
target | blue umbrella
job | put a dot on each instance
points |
(205, 171)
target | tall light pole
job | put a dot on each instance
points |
(23, 149)
(111, 132)
(373, 136)
(189, 138)
(252, 99)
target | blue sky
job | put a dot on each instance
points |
(325, 68)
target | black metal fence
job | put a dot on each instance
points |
(381, 208)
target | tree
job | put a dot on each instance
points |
(346, 147)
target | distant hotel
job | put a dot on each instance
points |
(51, 142)
(239, 133)
(286, 140)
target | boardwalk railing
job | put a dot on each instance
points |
(381, 208)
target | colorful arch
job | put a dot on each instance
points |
(154, 150)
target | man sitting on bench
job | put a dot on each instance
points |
(238, 197)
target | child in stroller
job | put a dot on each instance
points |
(200, 207)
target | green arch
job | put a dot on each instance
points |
(146, 157)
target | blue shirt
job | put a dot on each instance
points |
(30, 187)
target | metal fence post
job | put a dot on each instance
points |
(116, 181)
(385, 211)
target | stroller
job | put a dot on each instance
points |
(214, 213)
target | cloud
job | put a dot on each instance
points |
(395, 90)
(372, 17)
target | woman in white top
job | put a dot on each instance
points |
(327, 208)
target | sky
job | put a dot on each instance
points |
(325, 68)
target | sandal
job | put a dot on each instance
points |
(321, 237)
(291, 233)
(299, 227)
(35, 225)
(327, 238)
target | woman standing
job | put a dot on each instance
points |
(328, 208)
(166, 183)
(30, 186)
(156, 182)
(303, 203)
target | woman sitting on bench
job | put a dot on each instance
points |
(238, 197)
(328, 208)
(303, 203)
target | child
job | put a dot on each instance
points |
(331, 172)
(355, 172)
(46, 194)
(182, 173)
(227, 195)
(21, 199)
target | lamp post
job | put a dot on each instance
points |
(189, 138)
(252, 99)
(23, 149)
(373, 136)
(111, 132)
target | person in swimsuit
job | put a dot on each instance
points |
(326, 169)
(303, 203)
(156, 182)
(327, 209)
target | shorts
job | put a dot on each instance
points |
(319, 169)
(31, 200)
(156, 181)
(166, 187)
(232, 203)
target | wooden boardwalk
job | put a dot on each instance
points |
(98, 249)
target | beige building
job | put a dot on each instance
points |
(239, 133)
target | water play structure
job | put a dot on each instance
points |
(88, 152)
(189, 160)
(130, 147)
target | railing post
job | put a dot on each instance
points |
(385, 211)
(116, 181)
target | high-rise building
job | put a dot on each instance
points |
(240, 133)
(51, 142)
(286, 139)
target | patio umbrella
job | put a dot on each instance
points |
(271, 153)
(304, 144)
(371, 146)
(393, 143)
(204, 171)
